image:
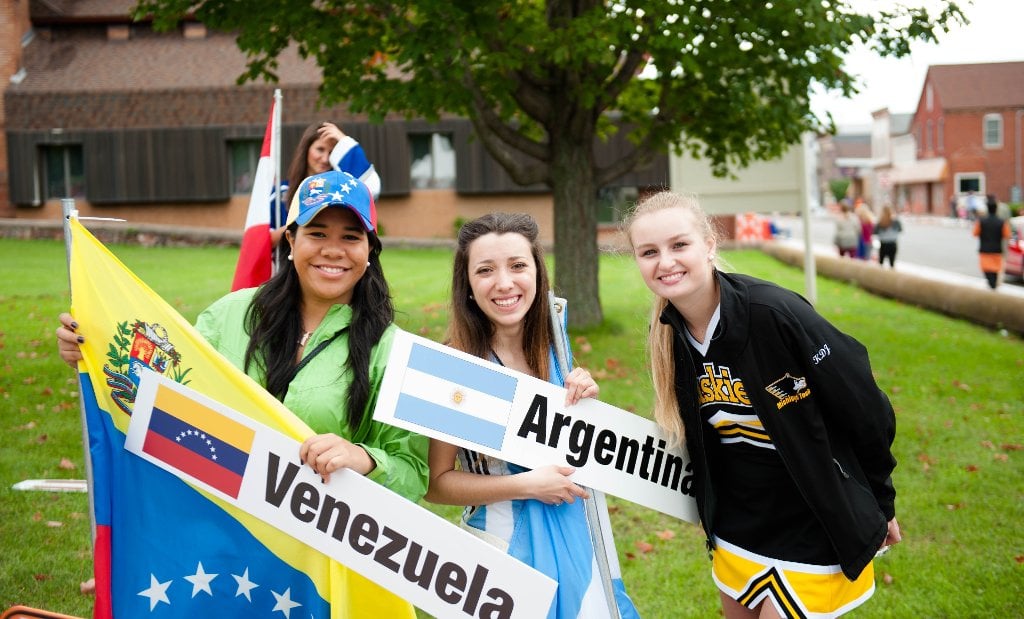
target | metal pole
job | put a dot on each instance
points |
(275, 158)
(69, 210)
(810, 268)
(593, 505)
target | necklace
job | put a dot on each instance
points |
(304, 338)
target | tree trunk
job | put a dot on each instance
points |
(576, 253)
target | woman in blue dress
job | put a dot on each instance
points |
(500, 312)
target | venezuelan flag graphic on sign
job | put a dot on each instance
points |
(198, 441)
(165, 548)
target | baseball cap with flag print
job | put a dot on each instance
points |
(332, 188)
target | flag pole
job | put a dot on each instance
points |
(275, 158)
(69, 211)
(591, 506)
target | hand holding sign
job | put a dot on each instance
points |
(446, 394)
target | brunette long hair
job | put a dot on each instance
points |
(469, 329)
(274, 324)
(297, 168)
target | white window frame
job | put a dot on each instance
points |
(440, 162)
(962, 176)
(998, 120)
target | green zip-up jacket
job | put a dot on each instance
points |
(317, 395)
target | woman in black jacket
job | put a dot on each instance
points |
(789, 434)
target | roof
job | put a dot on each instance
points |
(55, 11)
(852, 145)
(84, 60)
(984, 85)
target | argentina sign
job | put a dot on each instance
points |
(455, 397)
(397, 544)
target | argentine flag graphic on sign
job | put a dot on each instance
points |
(447, 394)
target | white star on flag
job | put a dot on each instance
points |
(201, 580)
(336, 195)
(244, 585)
(157, 592)
(284, 602)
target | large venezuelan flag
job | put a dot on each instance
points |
(164, 548)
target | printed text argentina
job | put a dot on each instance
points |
(644, 456)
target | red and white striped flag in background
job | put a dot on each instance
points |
(254, 258)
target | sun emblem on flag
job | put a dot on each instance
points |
(136, 347)
(458, 396)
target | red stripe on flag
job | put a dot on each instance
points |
(253, 266)
(188, 461)
(102, 608)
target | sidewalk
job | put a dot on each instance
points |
(948, 293)
(938, 275)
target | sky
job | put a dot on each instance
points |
(994, 34)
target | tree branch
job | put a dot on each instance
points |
(492, 123)
(521, 172)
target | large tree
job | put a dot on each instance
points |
(727, 81)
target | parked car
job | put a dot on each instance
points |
(1015, 248)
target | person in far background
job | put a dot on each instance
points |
(867, 228)
(323, 146)
(992, 231)
(847, 232)
(888, 231)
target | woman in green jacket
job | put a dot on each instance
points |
(317, 336)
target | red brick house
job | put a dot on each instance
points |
(971, 115)
(152, 127)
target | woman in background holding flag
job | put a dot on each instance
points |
(317, 335)
(323, 147)
(499, 312)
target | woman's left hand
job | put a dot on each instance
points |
(331, 131)
(579, 384)
(326, 453)
(893, 534)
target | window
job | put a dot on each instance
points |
(940, 138)
(992, 128)
(928, 98)
(973, 181)
(243, 157)
(433, 161)
(62, 172)
(928, 136)
(613, 202)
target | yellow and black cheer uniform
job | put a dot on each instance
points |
(790, 439)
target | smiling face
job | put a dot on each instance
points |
(674, 256)
(329, 254)
(503, 278)
(318, 156)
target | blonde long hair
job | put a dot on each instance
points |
(660, 337)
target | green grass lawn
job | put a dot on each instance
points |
(958, 390)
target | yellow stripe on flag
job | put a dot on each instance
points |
(206, 419)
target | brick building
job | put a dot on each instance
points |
(970, 116)
(153, 128)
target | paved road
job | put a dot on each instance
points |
(936, 247)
